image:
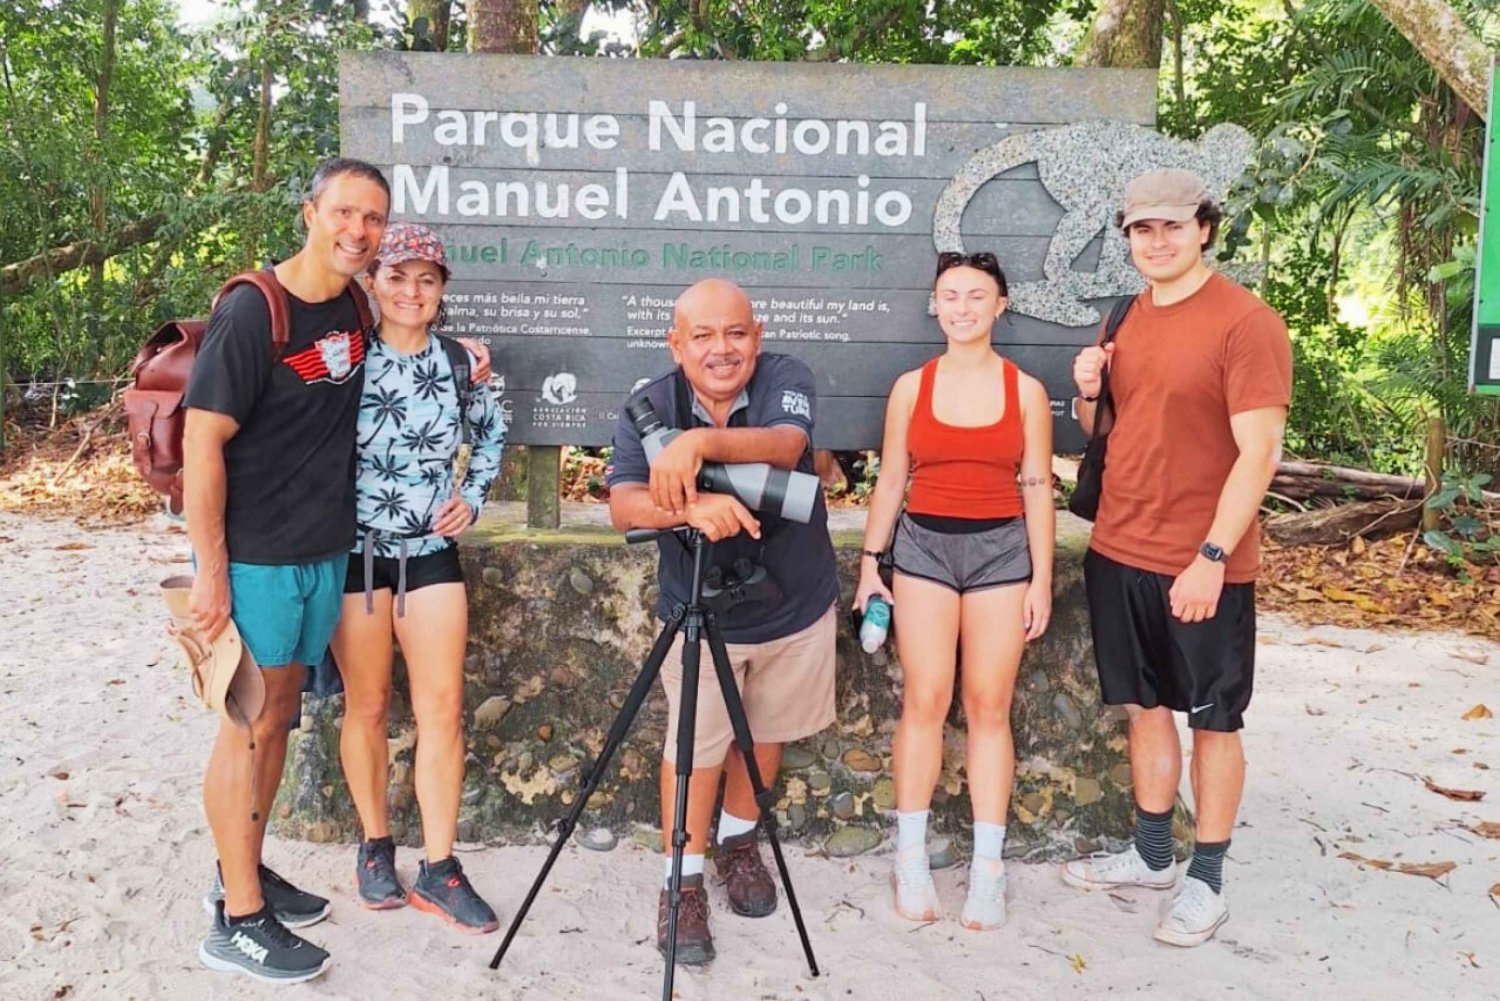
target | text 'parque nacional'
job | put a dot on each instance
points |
(444, 191)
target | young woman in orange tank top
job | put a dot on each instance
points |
(970, 435)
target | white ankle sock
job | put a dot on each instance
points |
(911, 828)
(730, 825)
(989, 839)
(692, 865)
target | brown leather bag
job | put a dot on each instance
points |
(154, 412)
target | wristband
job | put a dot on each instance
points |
(1089, 399)
(872, 552)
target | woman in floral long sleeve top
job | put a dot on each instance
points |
(405, 582)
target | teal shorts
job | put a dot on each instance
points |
(287, 614)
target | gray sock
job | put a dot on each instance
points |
(1153, 838)
(1208, 863)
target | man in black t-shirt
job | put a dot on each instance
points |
(734, 404)
(269, 494)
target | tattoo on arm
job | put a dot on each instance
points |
(1034, 481)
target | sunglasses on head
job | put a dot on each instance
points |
(982, 261)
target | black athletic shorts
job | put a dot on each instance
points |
(1146, 657)
(441, 567)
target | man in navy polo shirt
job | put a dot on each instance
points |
(734, 404)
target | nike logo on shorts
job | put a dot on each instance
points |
(1199, 709)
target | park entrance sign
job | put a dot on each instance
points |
(1484, 350)
(578, 197)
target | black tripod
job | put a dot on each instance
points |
(697, 621)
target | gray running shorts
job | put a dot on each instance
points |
(963, 561)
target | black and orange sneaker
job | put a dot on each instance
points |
(443, 889)
(375, 874)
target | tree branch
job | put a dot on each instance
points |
(15, 277)
(1445, 41)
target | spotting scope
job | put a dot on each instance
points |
(759, 486)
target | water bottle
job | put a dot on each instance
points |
(876, 624)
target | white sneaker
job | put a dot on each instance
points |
(1106, 872)
(916, 896)
(1196, 913)
(984, 908)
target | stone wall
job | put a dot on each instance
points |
(561, 621)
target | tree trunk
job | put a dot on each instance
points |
(1125, 33)
(98, 209)
(437, 14)
(511, 26)
(258, 180)
(1446, 42)
(260, 156)
(503, 26)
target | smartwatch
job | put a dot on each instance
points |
(1212, 552)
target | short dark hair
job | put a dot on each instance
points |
(331, 168)
(982, 261)
(1208, 212)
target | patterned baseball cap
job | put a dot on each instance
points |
(411, 241)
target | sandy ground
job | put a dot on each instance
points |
(104, 852)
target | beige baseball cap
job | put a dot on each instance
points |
(1172, 194)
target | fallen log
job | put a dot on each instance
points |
(1333, 480)
(1305, 487)
(1336, 526)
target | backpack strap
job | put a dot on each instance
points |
(276, 300)
(361, 305)
(281, 309)
(463, 381)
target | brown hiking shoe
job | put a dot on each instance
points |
(695, 943)
(752, 894)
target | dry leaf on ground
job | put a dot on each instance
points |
(1389, 582)
(1480, 711)
(1463, 795)
(1487, 829)
(1432, 870)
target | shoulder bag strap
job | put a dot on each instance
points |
(1112, 324)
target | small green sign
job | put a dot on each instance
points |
(1484, 351)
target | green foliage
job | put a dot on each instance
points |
(1468, 534)
(969, 32)
(179, 136)
(1362, 201)
(51, 162)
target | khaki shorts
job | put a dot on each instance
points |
(786, 685)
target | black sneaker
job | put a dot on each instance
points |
(443, 889)
(293, 907)
(375, 873)
(261, 947)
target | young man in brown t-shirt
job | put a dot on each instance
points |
(1200, 377)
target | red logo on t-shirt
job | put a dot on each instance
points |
(332, 358)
